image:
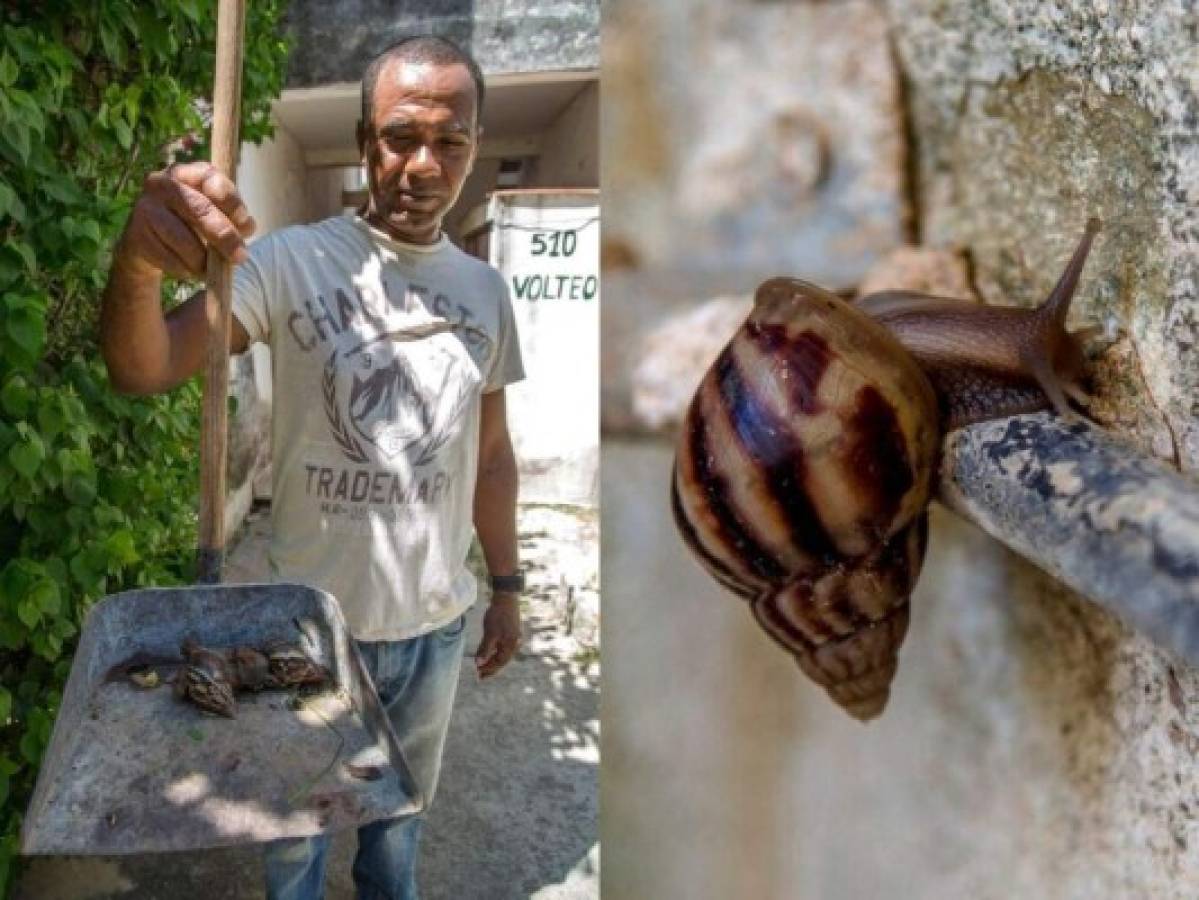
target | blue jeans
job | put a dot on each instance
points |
(416, 680)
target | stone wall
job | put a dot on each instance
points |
(1034, 745)
(334, 37)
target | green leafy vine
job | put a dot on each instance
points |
(97, 491)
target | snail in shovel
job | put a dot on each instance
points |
(209, 678)
(206, 680)
(806, 459)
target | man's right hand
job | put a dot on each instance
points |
(181, 211)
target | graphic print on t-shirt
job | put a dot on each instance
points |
(393, 389)
(387, 405)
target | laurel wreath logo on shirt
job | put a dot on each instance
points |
(341, 434)
(387, 409)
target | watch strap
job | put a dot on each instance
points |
(508, 584)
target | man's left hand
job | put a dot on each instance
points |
(501, 634)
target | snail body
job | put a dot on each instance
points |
(805, 464)
(251, 669)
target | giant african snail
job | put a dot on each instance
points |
(805, 464)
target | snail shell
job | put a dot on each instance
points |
(804, 467)
(250, 668)
(801, 481)
(290, 666)
(206, 680)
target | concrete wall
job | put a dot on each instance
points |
(1034, 745)
(324, 193)
(570, 147)
(272, 179)
(554, 413)
(504, 36)
(480, 183)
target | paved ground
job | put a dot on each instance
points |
(516, 811)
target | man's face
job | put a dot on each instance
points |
(419, 147)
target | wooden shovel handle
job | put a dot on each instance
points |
(226, 112)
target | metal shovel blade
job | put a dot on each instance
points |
(133, 769)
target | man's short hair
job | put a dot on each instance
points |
(421, 48)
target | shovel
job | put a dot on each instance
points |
(133, 769)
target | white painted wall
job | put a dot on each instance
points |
(324, 193)
(273, 180)
(480, 183)
(554, 413)
(570, 148)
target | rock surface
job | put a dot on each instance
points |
(761, 138)
(1031, 116)
(1033, 745)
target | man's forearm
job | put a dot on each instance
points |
(133, 332)
(495, 511)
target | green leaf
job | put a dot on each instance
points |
(25, 109)
(10, 204)
(27, 455)
(46, 645)
(113, 48)
(61, 189)
(14, 397)
(80, 489)
(64, 629)
(90, 229)
(45, 596)
(121, 547)
(29, 613)
(51, 420)
(27, 328)
(26, 253)
(5, 712)
(190, 9)
(8, 70)
(124, 134)
(31, 747)
(17, 138)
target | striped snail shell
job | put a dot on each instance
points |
(805, 463)
(801, 481)
(290, 666)
(206, 680)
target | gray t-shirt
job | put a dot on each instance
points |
(380, 353)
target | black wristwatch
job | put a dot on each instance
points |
(508, 584)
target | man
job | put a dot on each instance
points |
(391, 349)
